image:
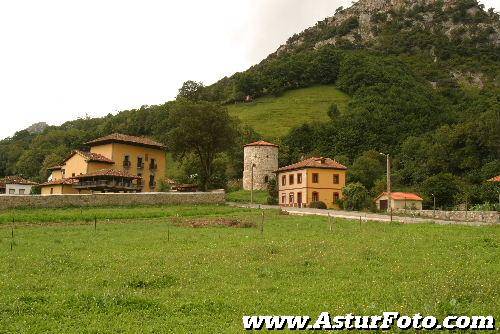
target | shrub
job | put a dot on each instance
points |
(318, 205)
(356, 197)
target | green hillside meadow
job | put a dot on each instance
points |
(273, 117)
(144, 271)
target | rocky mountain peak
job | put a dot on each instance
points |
(366, 21)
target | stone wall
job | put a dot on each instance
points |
(491, 217)
(110, 199)
(265, 159)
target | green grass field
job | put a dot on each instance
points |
(151, 275)
(243, 196)
(273, 117)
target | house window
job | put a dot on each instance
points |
(152, 182)
(291, 179)
(12, 191)
(72, 174)
(146, 157)
(126, 161)
(139, 181)
(336, 197)
(266, 179)
(290, 198)
(299, 178)
(336, 178)
(140, 164)
(283, 180)
(51, 191)
(152, 164)
(315, 197)
(315, 177)
(283, 198)
(21, 191)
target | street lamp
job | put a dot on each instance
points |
(389, 198)
(251, 185)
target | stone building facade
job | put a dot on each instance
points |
(264, 157)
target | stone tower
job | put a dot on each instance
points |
(264, 157)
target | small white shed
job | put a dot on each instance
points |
(399, 201)
(15, 185)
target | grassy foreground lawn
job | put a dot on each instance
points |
(152, 276)
(273, 117)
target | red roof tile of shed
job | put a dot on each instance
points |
(495, 179)
(17, 180)
(402, 196)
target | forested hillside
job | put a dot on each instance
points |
(422, 79)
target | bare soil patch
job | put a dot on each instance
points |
(214, 222)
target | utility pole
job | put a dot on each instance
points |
(389, 201)
(251, 186)
(434, 197)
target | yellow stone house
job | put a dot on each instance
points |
(311, 180)
(114, 163)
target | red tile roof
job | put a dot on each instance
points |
(495, 179)
(69, 181)
(17, 180)
(121, 138)
(109, 172)
(261, 143)
(325, 163)
(91, 157)
(402, 196)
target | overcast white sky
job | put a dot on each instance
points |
(63, 59)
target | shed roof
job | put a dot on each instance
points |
(401, 196)
(17, 180)
(495, 179)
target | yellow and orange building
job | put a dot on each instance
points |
(311, 180)
(114, 163)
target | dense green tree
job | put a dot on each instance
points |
(367, 168)
(444, 186)
(203, 129)
(191, 90)
(272, 192)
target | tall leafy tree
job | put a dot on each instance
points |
(203, 129)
